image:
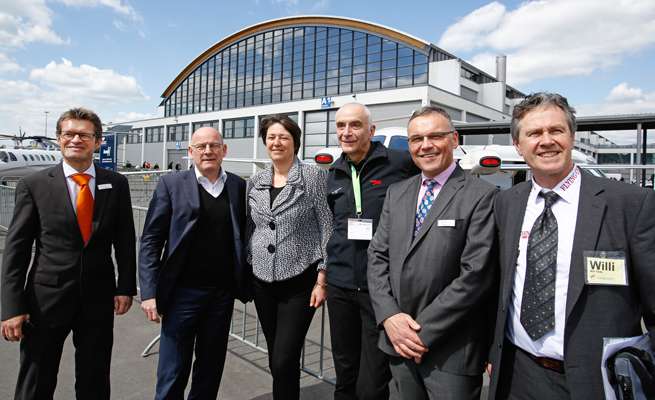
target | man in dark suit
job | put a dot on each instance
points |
(555, 305)
(431, 268)
(197, 218)
(74, 213)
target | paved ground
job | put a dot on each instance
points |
(133, 376)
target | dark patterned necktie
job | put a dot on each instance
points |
(538, 303)
(426, 203)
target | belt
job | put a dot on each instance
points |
(545, 362)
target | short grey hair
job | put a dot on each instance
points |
(541, 99)
(427, 110)
(367, 112)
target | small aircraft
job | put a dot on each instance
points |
(18, 161)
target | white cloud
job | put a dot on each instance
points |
(622, 99)
(546, 39)
(28, 21)
(300, 6)
(127, 116)
(60, 86)
(7, 64)
(119, 6)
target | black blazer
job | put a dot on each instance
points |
(171, 218)
(611, 216)
(64, 272)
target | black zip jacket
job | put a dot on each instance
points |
(347, 259)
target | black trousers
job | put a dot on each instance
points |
(284, 312)
(362, 368)
(41, 348)
(523, 379)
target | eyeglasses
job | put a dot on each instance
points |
(86, 137)
(213, 146)
(433, 137)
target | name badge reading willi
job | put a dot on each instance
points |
(605, 268)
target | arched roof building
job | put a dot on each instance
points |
(307, 66)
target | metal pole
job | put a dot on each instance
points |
(46, 123)
(644, 153)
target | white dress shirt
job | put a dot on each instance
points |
(565, 209)
(73, 188)
(214, 189)
(441, 180)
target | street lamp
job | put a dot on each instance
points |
(46, 123)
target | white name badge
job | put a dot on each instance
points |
(605, 268)
(360, 229)
(104, 186)
(446, 222)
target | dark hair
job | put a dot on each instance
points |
(427, 110)
(541, 99)
(290, 125)
(81, 114)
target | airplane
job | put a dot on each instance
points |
(17, 161)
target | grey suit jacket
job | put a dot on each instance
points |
(441, 278)
(611, 216)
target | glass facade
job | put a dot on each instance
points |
(239, 127)
(320, 131)
(177, 133)
(297, 63)
(201, 124)
(135, 135)
(155, 134)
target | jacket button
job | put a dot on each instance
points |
(271, 248)
(272, 225)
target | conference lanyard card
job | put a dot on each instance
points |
(360, 229)
(605, 268)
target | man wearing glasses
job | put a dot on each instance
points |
(74, 213)
(431, 268)
(192, 266)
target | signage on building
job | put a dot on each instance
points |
(108, 151)
(327, 102)
(178, 145)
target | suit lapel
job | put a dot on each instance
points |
(193, 198)
(407, 205)
(60, 186)
(101, 198)
(591, 212)
(441, 202)
(514, 221)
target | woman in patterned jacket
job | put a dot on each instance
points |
(291, 225)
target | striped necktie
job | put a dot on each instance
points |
(426, 203)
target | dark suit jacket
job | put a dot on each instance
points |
(443, 277)
(611, 216)
(171, 218)
(65, 273)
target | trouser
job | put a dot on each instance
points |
(522, 378)
(431, 383)
(285, 315)
(197, 319)
(362, 368)
(41, 349)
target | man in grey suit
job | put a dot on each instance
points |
(555, 304)
(431, 268)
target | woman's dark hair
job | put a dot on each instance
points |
(290, 125)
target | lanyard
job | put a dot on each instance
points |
(357, 191)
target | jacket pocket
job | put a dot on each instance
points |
(46, 278)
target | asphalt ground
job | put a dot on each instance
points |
(246, 374)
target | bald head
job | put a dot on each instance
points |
(206, 132)
(354, 130)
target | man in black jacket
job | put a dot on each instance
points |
(357, 184)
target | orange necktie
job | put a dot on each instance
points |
(84, 205)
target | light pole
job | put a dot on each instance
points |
(46, 123)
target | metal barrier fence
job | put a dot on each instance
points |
(7, 195)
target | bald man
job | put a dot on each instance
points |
(197, 219)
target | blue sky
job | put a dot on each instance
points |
(118, 56)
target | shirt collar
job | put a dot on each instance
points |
(68, 170)
(222, 175)
(442, 177)
(567, 188)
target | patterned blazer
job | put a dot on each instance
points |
(292, 234)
